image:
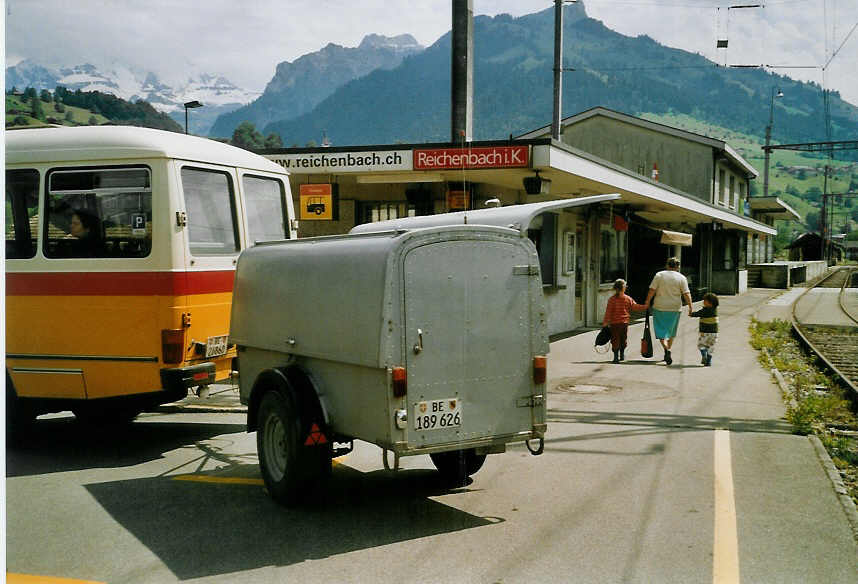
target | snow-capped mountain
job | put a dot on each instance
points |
(216, 93)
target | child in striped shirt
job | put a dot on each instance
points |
(617, 314)
(708, 328)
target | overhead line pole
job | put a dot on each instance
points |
(558, 69)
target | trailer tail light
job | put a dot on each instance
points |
(400, 382)
(172, 345)
(540, 369)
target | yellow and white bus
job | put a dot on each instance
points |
(121, 244)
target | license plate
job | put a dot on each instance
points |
(216, 346)
(438, 414)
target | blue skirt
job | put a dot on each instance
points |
(665, 323)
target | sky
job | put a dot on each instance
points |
(244, 41)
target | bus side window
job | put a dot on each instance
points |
(99, 213)
(211, 212)
(265, 202)
(22, 213)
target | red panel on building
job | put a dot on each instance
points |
(478, 157)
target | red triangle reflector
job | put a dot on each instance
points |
(315, 437)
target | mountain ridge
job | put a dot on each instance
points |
(298, 86)
(513, 60)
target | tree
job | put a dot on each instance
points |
(93, 121)
(273, 140)
(45, 96)
(59, 107)
(36, 110)
(812, 220)
(248, 137)
(813, 194)
(69, 116)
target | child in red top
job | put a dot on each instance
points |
(617, 314)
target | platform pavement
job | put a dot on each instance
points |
(574, 356)
(786, 484)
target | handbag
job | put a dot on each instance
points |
(646, 340)
(604, 336)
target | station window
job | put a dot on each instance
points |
(372, 212)
(733, 192)
(22, 213)
(613, 253)
(543, 234)
(99, 213)
(722, 187)
(211, 212)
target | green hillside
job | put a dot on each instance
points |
(796, 177)
(81, 108)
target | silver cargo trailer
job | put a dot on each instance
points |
(423, 341)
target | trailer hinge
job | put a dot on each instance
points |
(525, 270)
(530, 401)
(181, 218)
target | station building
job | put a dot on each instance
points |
(680, 193)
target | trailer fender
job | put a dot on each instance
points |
(296, 385)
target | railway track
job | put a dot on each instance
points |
(825, 318)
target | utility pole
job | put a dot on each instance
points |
(462, 72)
(558, 68)
(768, 140)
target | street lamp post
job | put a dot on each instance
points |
(190, 105)
(768, 139)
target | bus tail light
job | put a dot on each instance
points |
(173, 345)
(400, 382)
(540, 369)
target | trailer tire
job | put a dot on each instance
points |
(457, 465)
(292, 471)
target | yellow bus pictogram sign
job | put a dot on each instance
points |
(317, 202)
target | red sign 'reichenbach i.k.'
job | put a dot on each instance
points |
(478, 157)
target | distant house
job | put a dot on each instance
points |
(850, 249)
(808, 247)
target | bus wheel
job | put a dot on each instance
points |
(19, 417)
(457, 465)
(277, 440)
(105, 416)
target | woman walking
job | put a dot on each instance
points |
(665, 296)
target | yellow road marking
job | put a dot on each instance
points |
(201, 478)
(212, 479)
(31, 579)
(725, 563)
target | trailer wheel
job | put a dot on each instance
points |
(19, 417)
(457, 465)
(277, 441)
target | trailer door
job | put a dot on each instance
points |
(468, 339)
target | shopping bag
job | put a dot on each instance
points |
(604, 336)
(646, 340)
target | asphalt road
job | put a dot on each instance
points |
(650, 474)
